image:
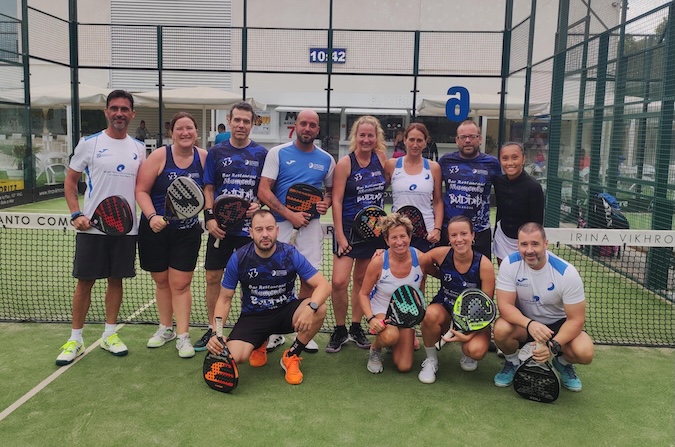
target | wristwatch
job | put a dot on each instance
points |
(554, 346)
(313, 306)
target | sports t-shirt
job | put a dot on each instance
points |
(111, 166)
(453, 282)
(288, 165)
(235, 172)
(519, 201)
(467, 187)
(170, 173)
(266, 283)
(365, 187)
(542, 293)
(388, 283)
(416, 190)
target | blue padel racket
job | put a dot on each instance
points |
(113, 216)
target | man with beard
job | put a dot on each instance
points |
(468, 175)
(111, 159)
(298, 161)
(266, 270)
(541, 299)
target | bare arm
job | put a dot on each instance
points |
(70, 194)
(435, 234)
(339, 184)
(487, 277)
(267, 197)
(147, 174)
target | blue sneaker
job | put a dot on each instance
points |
(568, 375)
(504, 377)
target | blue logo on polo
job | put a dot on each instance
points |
(413, 187)
(551, 287)
(120, 168)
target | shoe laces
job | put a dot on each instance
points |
(70, 346)
(508, 367)
(114, 340)
(375, 356)
(292, 363)
(337, 335)
(429, 362)
(207, 336)
(569, 371)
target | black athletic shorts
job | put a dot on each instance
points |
(98, 256)
(555, 327)
(170, 247)
(255, 327)
(216, 258)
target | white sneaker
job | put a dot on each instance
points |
(185, 348)
(161, 337)
(69, 352)
(429, 370)
(311, 347)
(374, 361)
(467, 363)
(114, 345)
(274, 341)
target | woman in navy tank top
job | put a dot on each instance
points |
(169, 249)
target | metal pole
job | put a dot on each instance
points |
(74, 72)
(329, 70)
(416, 69)
(528, 71)
(244, 49)
(506, 62)
(160, 85)
(28, 160)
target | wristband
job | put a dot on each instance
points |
(438, 229)
(527, 328)
(151, 216)
(75, 215)
(208, 215)
(369, 319)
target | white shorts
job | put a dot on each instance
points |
(309, 241)
(502, 245)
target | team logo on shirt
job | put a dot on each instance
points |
(120, 168)
(426, 177)
(413, 187)
(100, 153)
(551, 287)
(172, 176)
(357, 177)
(480, 171)
(375, 173)
(253, 273)
(135, 156)
(453, 169)
(227, 161)
(279, 272)
(290, 162)
(316, 166)
(520, 282)
(254, 163)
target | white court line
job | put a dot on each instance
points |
(23, 399)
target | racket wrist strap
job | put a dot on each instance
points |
(527, 328)
(75, 215)
(370, 318)
(208, 214)
(150, 216)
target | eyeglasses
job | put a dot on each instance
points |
(467, 137)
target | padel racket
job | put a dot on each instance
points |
(367, 226)
(229, 211)
(406, 308)
(302, 197)
(220, 371)
(113, 216)
(184, 199)
(415, 215)
(537, 381)
(473, 310)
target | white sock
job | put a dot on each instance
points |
(562, 361)
(163, 328)
(431, 352)
(184, 336)
(76, 334)
(512, 358)
(109, 330)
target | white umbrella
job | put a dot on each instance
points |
(481, 104)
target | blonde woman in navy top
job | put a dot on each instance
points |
(169, 249)
(358, 182)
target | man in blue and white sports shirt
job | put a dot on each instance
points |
(299, 161)
(541, 299)
(266, 270)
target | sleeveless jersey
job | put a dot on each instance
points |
(453, 282)
(388, 283)
(266, 283)
(416, 190)
(235, 172)
(365, 187)
(168, 175)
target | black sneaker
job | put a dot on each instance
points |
(359, 337)
(337, 339)
(200, 345)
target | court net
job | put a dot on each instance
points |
(629, 279)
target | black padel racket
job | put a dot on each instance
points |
(406, 308)
(367, 226)
(220, 371)
(229, 211)
(302, 197)
(415, 215)
(113, 216)
(473, 310)
(537, 381)
(184, 199)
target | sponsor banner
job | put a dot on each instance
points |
(593, 236)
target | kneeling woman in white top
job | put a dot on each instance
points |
(399, 265)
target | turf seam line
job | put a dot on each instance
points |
(39, 387)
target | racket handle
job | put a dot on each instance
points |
(294, 236)
(216, 244)
(441, 342)
(219, 327)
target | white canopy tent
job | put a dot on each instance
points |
(481, 104)
(194, 98)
